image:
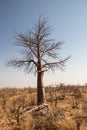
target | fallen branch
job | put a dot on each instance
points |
(37, 108)
(34, 109)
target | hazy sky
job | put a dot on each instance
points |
(68, 19)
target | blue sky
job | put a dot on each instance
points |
(68, 19)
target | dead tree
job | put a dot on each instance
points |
(40, 54)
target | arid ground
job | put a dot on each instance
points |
(67, 108)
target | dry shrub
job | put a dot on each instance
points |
(52, 123)
(66, 124)
(44, 124)
(25, 123)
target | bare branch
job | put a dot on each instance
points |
(29, 65)
(51, 50)
(26, 41)
(37, 48)
(18, 63)
(51, 65)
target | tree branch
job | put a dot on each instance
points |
(51, 65)
(19, 63)
(53, 47)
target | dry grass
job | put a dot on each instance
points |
(67, 109)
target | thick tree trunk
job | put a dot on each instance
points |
(40, 73)
(40, 89)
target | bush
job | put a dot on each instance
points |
(52, 122)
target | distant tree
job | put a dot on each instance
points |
(40, 54)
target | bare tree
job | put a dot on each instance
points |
(40, 53)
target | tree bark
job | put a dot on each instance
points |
(40, 89)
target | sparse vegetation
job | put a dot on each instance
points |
(67, 109)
